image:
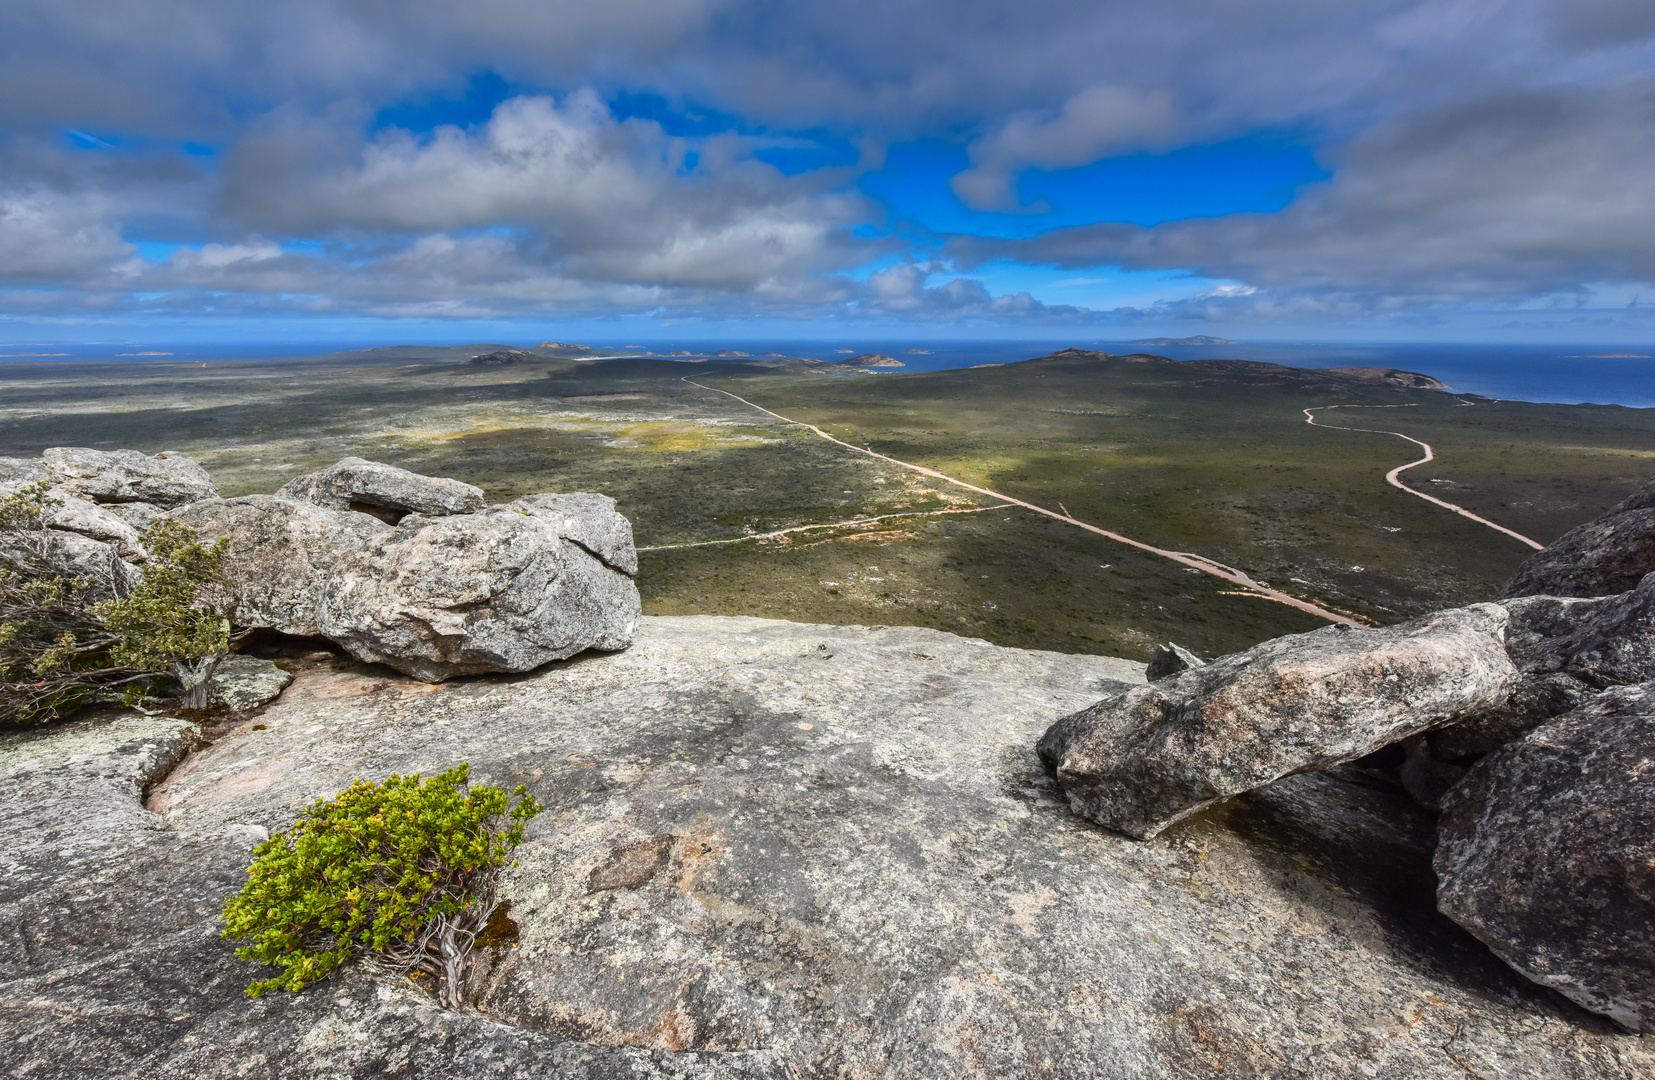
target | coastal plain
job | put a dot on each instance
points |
(1211, 458)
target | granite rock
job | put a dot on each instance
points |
(1170, 659)
(1607, 555)
(1568, 649)
(1145, 758)
(247, 682)
(768, 850)
(1547, 853)
(167, 479)
(589, 520)
(383, 490)
(68, 512)
(280, 556)
(497, 590)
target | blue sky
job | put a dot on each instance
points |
(1333, 169)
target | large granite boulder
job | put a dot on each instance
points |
(1142, 759)
(497, 590)
(281, 554)
(769, 850)
(1547, 853)
(383, 490)
(1607, 555)
(166, 479)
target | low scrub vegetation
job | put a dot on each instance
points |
(404, 872)
(73, 634)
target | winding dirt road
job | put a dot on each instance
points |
(1194, 562)
(1393, 477)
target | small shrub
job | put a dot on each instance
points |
(171, 620)
(403, 871)
(68, 641)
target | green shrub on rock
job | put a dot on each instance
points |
(71, 636)
(170, 621)
(404, 871)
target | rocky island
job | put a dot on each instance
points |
(783, 849)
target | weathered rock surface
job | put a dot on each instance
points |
(792, 851)
(1170, 659)
(1608, 641)
(140, 515)
(1568, 649)
(497, 590)
(14, 472)
(68, 512)
(280, 555)
(1547, 853)
(1144, 758)
(166, 479)
(247, 682)
(589, 520)
(75, 556)
(353, 483)
(1607, 555)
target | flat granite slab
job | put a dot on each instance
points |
(769, 849)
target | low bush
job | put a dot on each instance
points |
(404, 872)
(71, 637)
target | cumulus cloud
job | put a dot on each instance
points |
(1097, 122)
(1507, 197)
(1483, 152)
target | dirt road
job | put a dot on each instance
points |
(1195, 562)
(1393, 477)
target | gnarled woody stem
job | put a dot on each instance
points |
(443, 947)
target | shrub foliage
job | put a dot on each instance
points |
(404, 871)
(69, 639)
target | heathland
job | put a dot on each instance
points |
(1210, 458)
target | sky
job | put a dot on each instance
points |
(1453, 170)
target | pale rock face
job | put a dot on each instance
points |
(166, 479)
(497, 590)
(70, 513)
(15, 472)
(280, 556)
(1142, 759)
(589, 520)
(75, 556)
(140, 515)
(354, 481)
(769, 850)
(1546, 852)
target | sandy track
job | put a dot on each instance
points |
(1194, 562)
(1393, 477)
(832, 525)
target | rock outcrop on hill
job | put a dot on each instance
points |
(1547, 853)
(382, 490)
(408, 570)
(167, 479)
(1607, 555)
(1145, 758)
(769, 850)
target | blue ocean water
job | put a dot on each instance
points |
(1572, 374)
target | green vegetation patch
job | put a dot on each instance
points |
(405, 870)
